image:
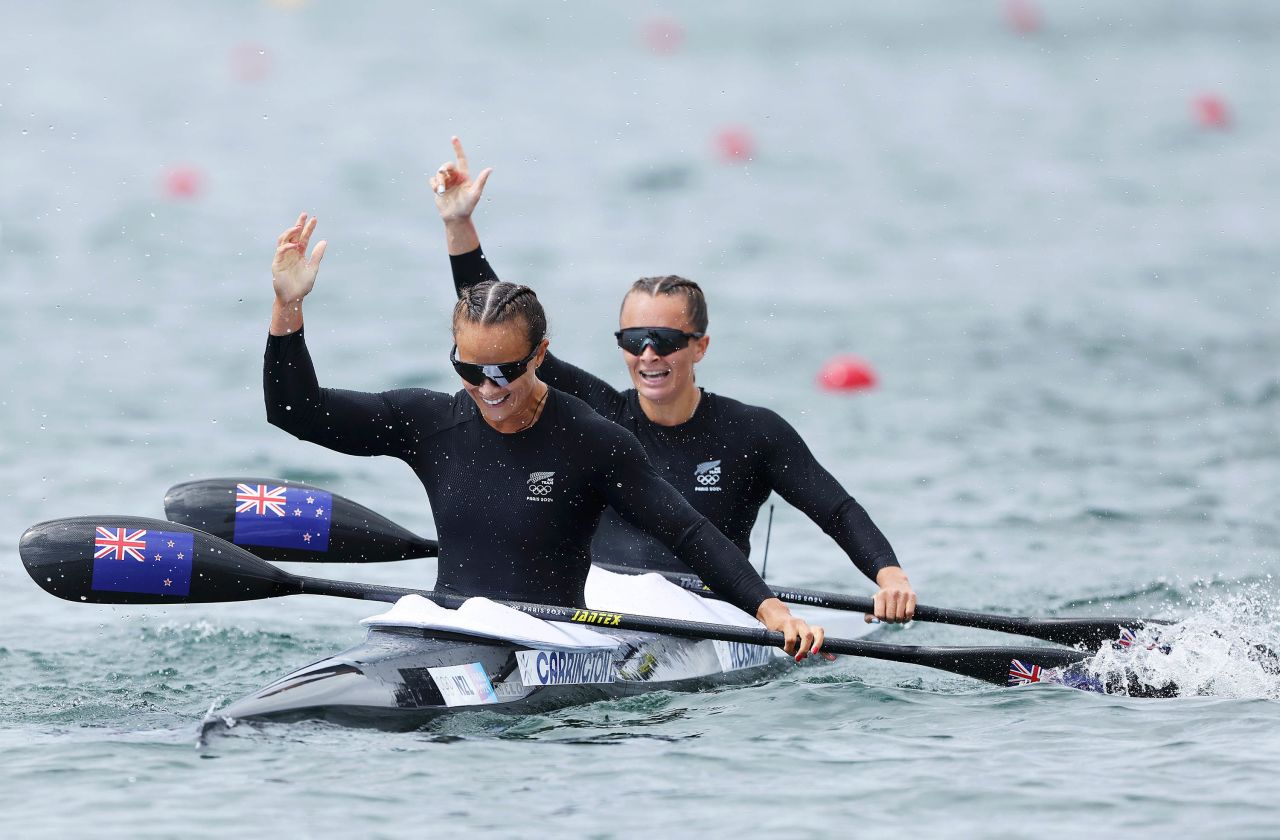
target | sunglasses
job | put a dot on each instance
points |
(501, 375)
(663, 340)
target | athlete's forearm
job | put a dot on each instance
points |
(798, 477)
(289, 385)
(861, 539)
(642, 497)
(723, 567)
(469, 268)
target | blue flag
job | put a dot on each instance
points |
(137, 560)
(283, 517)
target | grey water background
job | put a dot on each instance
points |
(1066, 285)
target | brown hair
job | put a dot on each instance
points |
(496, 302)
(695, 302)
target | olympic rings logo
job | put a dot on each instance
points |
(707, 479)
(540, 489)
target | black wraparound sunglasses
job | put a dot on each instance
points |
(663, 340)
(502, 374)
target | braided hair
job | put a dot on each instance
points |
(672, 284)
(496, 302)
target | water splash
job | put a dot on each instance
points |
(1227, 647)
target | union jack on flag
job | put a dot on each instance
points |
(260, 498)
(119, 543)
(1020, 673)
(1128, 639)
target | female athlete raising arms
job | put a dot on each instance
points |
(722, 455)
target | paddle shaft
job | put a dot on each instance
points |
(1067, 631)
(966, 661)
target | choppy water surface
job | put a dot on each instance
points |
(1067, 286)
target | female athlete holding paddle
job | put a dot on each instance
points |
(723, 456)
(518, 473)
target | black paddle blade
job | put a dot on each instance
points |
(1092, 632)
(288, 521)
(995, 665)
(133, 560)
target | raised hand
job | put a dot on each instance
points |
(455, 192)
(292, 274)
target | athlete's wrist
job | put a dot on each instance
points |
(891, 575)
(772, 612)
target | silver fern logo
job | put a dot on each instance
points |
(540, 486)
(707, 474)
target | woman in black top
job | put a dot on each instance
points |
(517, 472)
(723, 456)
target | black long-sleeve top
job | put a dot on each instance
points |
(514, 513)
(725, 460)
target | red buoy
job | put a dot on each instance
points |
(1211, 111)
(1023, 16)
(847, 373)
(664, 35)
(182, 182)
(735, 144)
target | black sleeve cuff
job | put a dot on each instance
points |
(469, 269)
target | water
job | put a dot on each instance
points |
(1067, 286)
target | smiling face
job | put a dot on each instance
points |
(661, 379)
(491, 344)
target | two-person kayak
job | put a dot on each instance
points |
(419, 662)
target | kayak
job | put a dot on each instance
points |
(400, 678)
(420, 661)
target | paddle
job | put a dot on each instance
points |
(285, 520)
(210, 505)
(134, 560)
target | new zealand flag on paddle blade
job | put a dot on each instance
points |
(136, 560)
(283, 517)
